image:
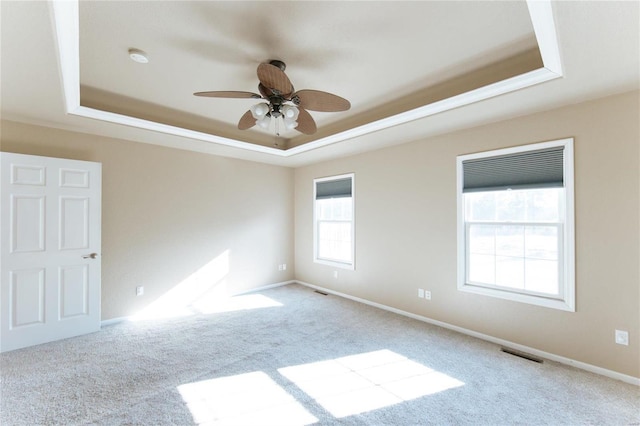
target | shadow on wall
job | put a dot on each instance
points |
(205, 291)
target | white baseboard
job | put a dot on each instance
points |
(112, 321)
(546, 355)
(265, 287)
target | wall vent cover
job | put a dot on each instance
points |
(522, 355)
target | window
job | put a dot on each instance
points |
(333, 221)
(515, 224)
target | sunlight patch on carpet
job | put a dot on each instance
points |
(365, 382)
(244, 399)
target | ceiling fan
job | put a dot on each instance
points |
(276, 88)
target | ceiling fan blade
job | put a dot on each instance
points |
(274, 78)
(306, 124)
(266, 93)
(228, 94)
(246, 121)
(315, 100)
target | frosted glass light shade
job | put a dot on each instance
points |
(290, 124)
(290, 112)
(264, 122)
(259, 111)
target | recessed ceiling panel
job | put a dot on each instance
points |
(384, 57)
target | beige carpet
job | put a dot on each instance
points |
(292, 356)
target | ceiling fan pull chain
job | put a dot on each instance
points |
(277, 126)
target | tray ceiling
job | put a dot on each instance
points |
(412, 70)
(387, 58)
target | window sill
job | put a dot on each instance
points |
(563, 305)
(335, 264)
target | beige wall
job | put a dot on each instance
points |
(406, 232)
(167, 213)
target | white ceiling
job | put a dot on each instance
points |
(399, 63)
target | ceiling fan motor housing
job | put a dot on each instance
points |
(279, 64)
(276, 103)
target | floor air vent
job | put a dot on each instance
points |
(522, 355)
(321, 292)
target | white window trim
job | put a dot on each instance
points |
(329, 262)
(568, 290)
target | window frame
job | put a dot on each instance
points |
(566, 300)
(333, 262)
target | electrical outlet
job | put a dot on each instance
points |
(139, 290)
(335, 274)
(279, 267)
(622, 337)
(421, 293)
(427, 294)
(284, 266)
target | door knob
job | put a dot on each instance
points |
(90, 256)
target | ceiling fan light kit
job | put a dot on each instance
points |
(263, 113)
(283, 101)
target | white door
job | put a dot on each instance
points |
(50, 249)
